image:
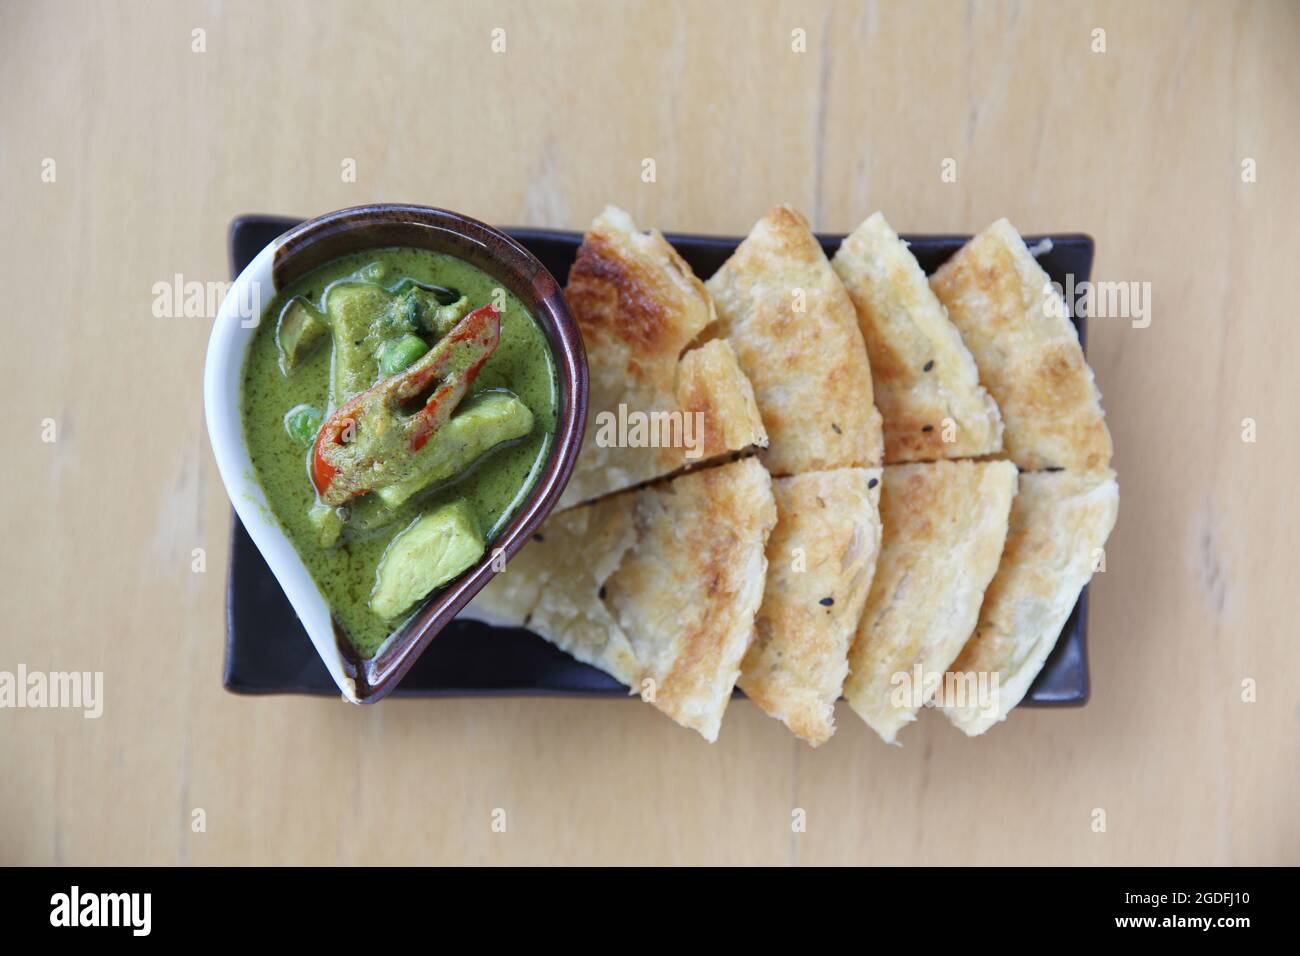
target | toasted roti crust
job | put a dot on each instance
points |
(926, 384)
(638, 306)
(711, 385)
(945, 525)
(820, 559)
(657, 587)
(1059, 523)
(786, 313)
(1027, 352)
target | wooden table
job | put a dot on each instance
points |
(157, 144)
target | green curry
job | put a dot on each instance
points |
(398, 407)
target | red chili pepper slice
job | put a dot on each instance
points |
(343, 462)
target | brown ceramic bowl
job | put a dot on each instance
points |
(294, 254)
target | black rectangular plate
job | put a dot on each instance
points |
(268, 651)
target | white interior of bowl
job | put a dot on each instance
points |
(232, 334)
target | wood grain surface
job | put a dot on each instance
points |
(157, 145)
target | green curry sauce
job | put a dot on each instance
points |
(491, 486)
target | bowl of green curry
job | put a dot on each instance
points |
(395, 397)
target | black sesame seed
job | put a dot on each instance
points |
(602, 592)
(928, 365)
(872, 483)
(538, 537)
(927, 428)
(836, 428)
(826, 602)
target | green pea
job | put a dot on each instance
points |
(398, 354)
(302, 422)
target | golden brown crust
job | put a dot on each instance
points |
(710, 384)
(926, 384)
(1059, 523)
(820, 559)
(658, 587)
(792, 325)
(945, 524)
(638, 306)
(1028, 353)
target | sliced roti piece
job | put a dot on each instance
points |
(820, 559)
(786, 313)
(658, 587)
(1014, 323)
(720, 413)
(945, 525)
(552, 586)
(926, 385)
(638, 306)
(1059, 523)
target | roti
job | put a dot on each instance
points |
(1014, 323)
(945, 524)
(657, 587)
(784, 310)
(926, 385)
(1059, 524)
(652, 410)
(820, 559)
(774, 571)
